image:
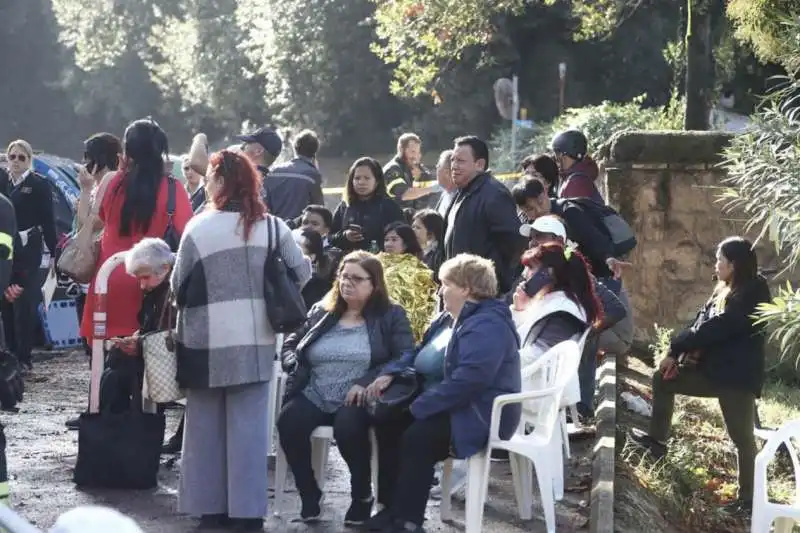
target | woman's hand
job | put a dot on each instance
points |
(353, 235)
(128, 345)
(520, 299)
(12, 293)
(376, 388)
(668, 367)
(85, 179)
(355, 396)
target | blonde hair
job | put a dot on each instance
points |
(23, 145)
(473, 273)
(406, 139)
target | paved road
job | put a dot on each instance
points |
(42, 453)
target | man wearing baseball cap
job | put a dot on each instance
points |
(262, 147)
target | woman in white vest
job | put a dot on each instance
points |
(555, 303)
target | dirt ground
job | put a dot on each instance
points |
(42, 453)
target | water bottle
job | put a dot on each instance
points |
(373, 247)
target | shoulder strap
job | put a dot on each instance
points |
(170, 197)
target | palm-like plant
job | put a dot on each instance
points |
(764, 182)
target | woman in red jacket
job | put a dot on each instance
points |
(135, 206)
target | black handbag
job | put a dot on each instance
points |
(120, 450)
(286, 308)
(397, 398)
(12, 385)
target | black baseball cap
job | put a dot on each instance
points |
(267, 138)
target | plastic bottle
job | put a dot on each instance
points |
(373, 247)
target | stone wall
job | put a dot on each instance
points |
(667, 185)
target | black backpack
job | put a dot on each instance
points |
(606, 218)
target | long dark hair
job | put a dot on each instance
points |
(407, 235)
(239, 186)
(142, 172)
(570, 273)
(349, 196)
(316, 247)
(739, 252)
(433, 222)
(379, 299)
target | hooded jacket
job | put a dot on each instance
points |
(481, 363)
(578, 181)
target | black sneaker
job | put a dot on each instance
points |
(381, 521)
(739, 508)
(646, 443)
(213, 521)
(246, 524)
(73, 424)
(310, 510)
(172, 446)
(359, 512)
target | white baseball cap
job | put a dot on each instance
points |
(545, 224)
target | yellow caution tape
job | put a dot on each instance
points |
(509, 176)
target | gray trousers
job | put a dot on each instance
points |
(224, 465)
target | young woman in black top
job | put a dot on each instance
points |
(720, 355)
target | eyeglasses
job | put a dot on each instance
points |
(21, 157)
(353, 279)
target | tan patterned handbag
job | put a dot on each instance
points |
(160, 361)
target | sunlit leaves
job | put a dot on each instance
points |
(770, 26)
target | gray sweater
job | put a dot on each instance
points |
(223, 335)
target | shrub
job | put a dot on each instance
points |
(597, 122)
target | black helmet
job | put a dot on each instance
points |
(570, 142)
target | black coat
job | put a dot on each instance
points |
(730, 343)
(486, 224)
(390, 337)
(372, 215)
(33, 204)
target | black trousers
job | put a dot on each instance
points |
(20, 319)
(423, 444)
(351, 424)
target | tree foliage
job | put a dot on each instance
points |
(769, 27)
(765, 184)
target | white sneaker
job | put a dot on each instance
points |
(458, 478)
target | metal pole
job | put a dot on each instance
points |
(514, 116)
(562, 80)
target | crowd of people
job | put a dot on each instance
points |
(447, 283)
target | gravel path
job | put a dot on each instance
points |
(42, 452)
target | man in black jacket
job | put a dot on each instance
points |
(32, 197)
(482, 219)
(293, 186)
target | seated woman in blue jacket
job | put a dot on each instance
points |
(468, 357)
(720, 355)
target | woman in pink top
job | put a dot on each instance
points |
(135, 206)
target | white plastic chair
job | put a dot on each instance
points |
(765, 512)
(543, 382)
(573, 408)
(321, 439)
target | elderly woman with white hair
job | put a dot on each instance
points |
(150, 262)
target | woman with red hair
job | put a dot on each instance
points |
(556, 302)
(226, 345)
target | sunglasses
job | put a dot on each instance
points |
(14, 157)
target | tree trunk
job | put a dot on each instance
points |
(699, 66)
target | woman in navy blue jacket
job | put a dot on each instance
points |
(468, 357)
